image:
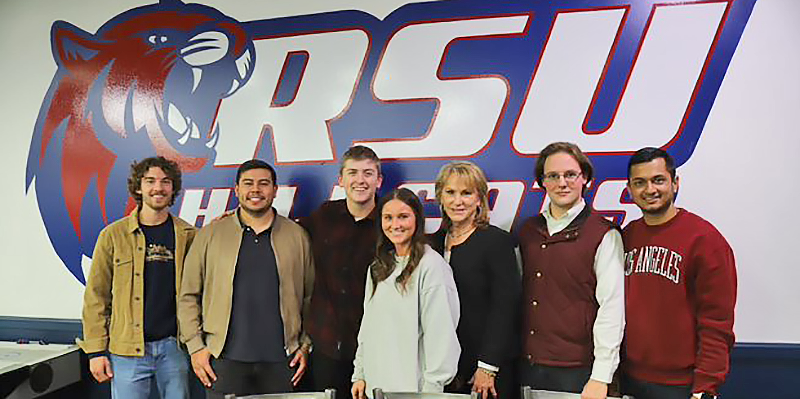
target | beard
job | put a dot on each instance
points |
(152, 204)
(255, 212)
(660, 210)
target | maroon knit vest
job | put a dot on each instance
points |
(559, 284)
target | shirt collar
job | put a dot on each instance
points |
(555, 225)
(371, 216)
(242, 225)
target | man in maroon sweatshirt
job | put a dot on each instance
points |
(680, 291)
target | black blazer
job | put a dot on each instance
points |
(489, 289)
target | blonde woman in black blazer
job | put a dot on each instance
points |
(488, 281)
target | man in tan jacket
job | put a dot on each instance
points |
(129, 308)
(246, 286)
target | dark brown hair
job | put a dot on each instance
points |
(138, 170)
(570, 149)
(384, 263)
(648, 154)
(256, 164)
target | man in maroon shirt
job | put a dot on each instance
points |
(343, 239)
(680, 291)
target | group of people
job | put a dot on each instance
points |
(357, 295)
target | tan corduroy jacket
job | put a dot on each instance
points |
(113, 302)
(206, 298)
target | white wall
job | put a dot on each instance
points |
(741, 176)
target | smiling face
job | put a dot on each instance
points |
(399, 224)
(360, 180)
(256, 190)
(563, 181)
(156, 189)
(653, 189)
(460, 200)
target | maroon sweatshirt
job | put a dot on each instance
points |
(680, 292)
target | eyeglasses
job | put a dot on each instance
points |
(658, 181)
(569, 176)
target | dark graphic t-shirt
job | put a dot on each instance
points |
(159, 281)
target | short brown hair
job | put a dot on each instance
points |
(570, 149)
(475, 178)
(256, 164)
(360, 153)
(138, 170)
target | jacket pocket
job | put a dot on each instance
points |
(123, 274)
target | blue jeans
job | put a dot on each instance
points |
(162, 360)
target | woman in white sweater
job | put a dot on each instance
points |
(407, 341)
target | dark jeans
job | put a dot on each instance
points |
(560, 379)
(327, 372)
(243, 378)
(505, 382)
(649, 390)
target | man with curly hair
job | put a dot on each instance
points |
(129, 318)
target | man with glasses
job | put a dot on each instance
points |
(680, 290)
(573, 283)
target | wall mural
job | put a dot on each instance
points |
(492, 82)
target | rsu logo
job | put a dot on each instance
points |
(431, 82)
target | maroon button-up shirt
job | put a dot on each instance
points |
(343, 250)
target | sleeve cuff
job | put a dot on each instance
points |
(96, 354)
(704, 384)
(93, 345)
(195, 345)
(488, 366)
(429, 386)
(602, 372)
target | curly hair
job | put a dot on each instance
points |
(384, 263)
(138, 170)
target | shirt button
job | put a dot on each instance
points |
(138, 350)
(136, 274)
(530, 357)
(538, 274)
(534, 303)
(344, 291)
(136, 298)
(532, 332)
(544, 246)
